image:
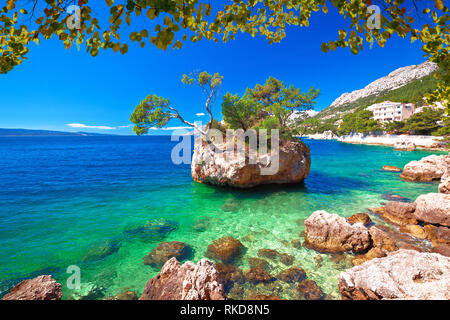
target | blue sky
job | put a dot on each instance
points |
(56, 87)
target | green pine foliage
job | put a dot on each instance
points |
(268, 106)
(425, 122)
(412, 92)
(359, 121)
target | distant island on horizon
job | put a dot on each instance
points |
(48, 133)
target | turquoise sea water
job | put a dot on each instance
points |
(62, 196)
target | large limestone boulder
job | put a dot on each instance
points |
(40, 288)
(332, 233)
(218, 165)
(433, 208)
(427, 169)
(400, 213)
(185, 282)
(403, 274)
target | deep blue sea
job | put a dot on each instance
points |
(62, 197)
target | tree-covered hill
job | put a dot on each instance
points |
(412, 92)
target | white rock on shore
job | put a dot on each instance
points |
(405, 145)
(403, 274)
(39, 288)
(326, 135)
(427, 169)
(433, 208)
(185, 282)
(428, 142)
(332, 233)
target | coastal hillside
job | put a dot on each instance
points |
(405, 84)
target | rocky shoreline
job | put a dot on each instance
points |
(398, 251)
(399, 142)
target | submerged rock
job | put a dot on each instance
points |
(212, 167)
(331, 233)
(392, 169)
(433, 208)
(427, 169)
(125, 295)
(259, 263)
(102, 250)
(229, 275)
(403, 274)
(318, 260)
(231, 205)
(286, 259)
(225, 249)
(166, 250)
(88, 291)
(153, 230)
(292, 274)
(309, 290)
(236, 292)
(257, 275)
(201, 225)
(296, 243)
(394, 197)
(40, 288)
(268, 253)
(185, 282)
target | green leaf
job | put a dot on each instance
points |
(151, 14)
(124, 49)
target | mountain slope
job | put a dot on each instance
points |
(400, 85)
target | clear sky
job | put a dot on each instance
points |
(56, 87)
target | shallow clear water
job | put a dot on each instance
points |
(61, 196)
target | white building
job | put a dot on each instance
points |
(387, 111)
